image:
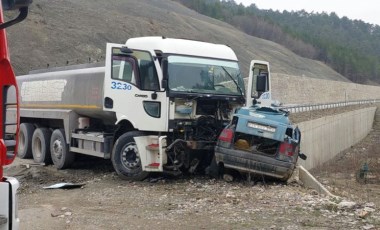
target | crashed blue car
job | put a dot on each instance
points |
(260, 140)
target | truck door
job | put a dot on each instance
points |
(259, 84)
(132, 89)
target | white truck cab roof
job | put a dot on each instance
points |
(182, 47)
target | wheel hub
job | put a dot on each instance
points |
(130, 156)
(57, 149)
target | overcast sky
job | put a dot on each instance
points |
(366, 10)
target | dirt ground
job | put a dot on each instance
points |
(199, 202)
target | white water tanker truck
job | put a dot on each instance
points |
(158, 105)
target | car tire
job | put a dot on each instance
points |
(25, 141)
(126, 158)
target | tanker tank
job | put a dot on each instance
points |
(74, 88)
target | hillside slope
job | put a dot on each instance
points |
(57, 31)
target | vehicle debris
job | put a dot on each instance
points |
(64, 186)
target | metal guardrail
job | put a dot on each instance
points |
(310, 107)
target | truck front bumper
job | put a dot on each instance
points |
(253, 163)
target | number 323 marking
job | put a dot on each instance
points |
(121, 86)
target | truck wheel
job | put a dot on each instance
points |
(41, 145)
(126, 158)
(60, 154)
(25, 141)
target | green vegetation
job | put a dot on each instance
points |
(351, 47)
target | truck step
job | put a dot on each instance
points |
(153, 165)
(153, 147)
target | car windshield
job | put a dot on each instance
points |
(202, 75)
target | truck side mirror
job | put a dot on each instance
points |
(15, 4)
(164, 67)
(261, 83)
(164, 83)
(22, 5)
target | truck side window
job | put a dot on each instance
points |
(122, 69)
(136, 68)
(147, 71)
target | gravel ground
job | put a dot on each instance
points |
(199, 202)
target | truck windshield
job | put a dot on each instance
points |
(202, 75)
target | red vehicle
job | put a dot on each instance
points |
(9, 125)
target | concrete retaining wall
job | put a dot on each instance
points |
(324, 138)
(304, 90)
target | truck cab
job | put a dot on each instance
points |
(179, 100)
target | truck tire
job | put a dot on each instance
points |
(61, 156)
(41, 145)
(126, 159)
(25, 141)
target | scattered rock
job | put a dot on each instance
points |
(230, 195)
(368, 209)
(228, 177)
(314, 193)
(346, 205)
(368, 227)
(370, 205)
(68, 213)
(363, 214)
